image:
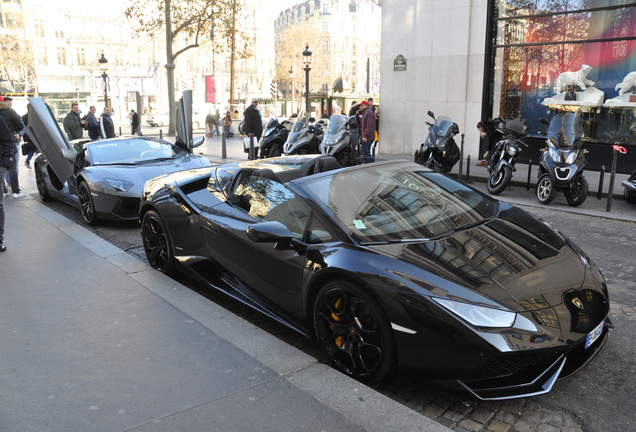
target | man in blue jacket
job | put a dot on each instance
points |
(7, 149)
(93, 124)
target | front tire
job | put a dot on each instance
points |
(546, 189)
(627, 193)
(499, 180)
(275, 151)
(40, 181)
(157, 243)
(577, 194)
(354, 332)
(195, 125)
(86, 204)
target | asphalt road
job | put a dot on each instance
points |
(601, 397)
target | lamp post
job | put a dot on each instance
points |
(102, 61)
(291, 79)
(307, 63)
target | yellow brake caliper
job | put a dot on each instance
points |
(338, 306)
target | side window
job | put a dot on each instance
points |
(318, 233)
(267, 200)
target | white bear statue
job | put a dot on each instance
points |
(627, 83)
(573, 78)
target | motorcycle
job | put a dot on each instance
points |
(305, 136)
(274, 137)
(630, 188)
(439, 152)
(504, 155)
(563, 161)
(341, 140)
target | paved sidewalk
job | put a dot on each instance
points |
(95, 340)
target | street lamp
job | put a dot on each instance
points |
(103, 62)
(291, 79)
(307, 63)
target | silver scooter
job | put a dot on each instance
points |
(341, 140)
(305, 136)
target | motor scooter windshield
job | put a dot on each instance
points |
(565, 129)
(302, 121)
(272, 122)
(442, 125)
(336, 124)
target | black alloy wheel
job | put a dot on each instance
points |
(577, 193)
(353, 331)
(157, 243)
(499, 180)
(629, 196)
(41, 184)
(86, 204)
(546, 189)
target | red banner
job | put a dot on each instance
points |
(210, 89)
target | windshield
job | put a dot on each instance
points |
(398, 202)
(273, 121)
(130, 151)
(336, 122)
(443, 124)
(301, 121)
(565, 129)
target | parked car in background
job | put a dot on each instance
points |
(158, 119)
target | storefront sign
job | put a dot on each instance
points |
(399, 64)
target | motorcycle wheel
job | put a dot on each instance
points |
(577, 194)
(498, 180)
(546, 189)
(275, 151)
(629, 196)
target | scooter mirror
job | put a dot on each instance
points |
(430, 113)
(544, 121)
(311, 119)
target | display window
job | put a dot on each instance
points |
(548, 55)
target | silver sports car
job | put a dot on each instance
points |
(103, 178)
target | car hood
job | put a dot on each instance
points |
(515, 260)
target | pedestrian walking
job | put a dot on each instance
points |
(253, 123)
(93, 124)
(227, 123)
(6, 162)
(106, 125)
(73, 125)
(16, 129)
(365, 120)
(134, 121)
(31, 149)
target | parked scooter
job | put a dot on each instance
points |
(630, 188)
(305, 136)
(341, 140)
(563, 160)
(274, 137)
(504, 155)
(439, 151)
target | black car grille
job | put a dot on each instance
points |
(127, 208)
(513, 367)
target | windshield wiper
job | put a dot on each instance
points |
(393, 241)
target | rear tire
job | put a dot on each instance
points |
(195, 125)
(546, 189)
(577, 194)
(499, 180)
(159, 124)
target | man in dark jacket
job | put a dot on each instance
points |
(365, 119)
(7, 147)
(253, 120)
(93, 124)
(27, 140)
(134, 121)
(16, 130)
(106, 124)
(73, 125)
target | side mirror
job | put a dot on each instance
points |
(196, 142)
(430, 113)
(269, 232)
(68, 154)
(311, 119)
(544, 121)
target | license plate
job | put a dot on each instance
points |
(594, 334)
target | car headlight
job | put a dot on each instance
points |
(555, 155)
(512, 150)
(268, 131)
(335, 139)
(570, 158)
(119, 185)
(478, 316)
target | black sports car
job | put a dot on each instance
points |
(390, 266)
(104, 178)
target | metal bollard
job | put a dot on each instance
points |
(610, 191)
(223, 145)
(161, 134)
(119, 130)
(529, 174)
(600, 183)
(372, 153)
(461, 159)
(468, 169)
(251, 153)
